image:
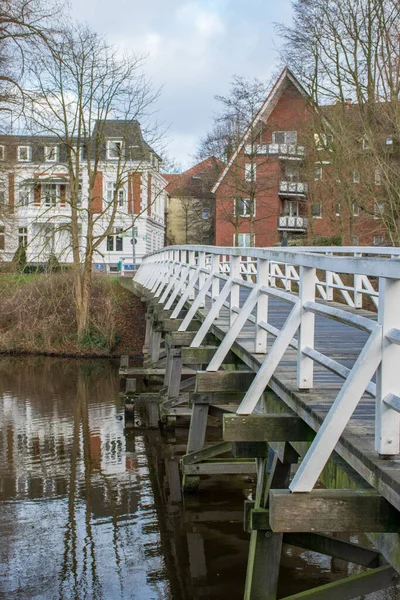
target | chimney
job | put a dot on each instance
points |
(348, 101)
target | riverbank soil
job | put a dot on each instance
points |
(37, 316)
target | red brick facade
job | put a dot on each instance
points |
(281, 150)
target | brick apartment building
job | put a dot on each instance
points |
(278, 184)
(35, 205)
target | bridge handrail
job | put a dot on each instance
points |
(210, 278)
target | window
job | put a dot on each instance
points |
(51, 153)
(2, 152)
(22, 236)
(2, 238)
(355, 240)
(378, 210)
(389, 141)
(284, 137)
(205, 213)
(316, 210)
(291, 208)
(111, 188)
(114, 149)
(24, 195)
(317, 173)
(365, 143)
(24, 153)
(115, 242)
(250, 172)
(292, 173)
(356, 177)
(48, 238)
(51, 193)
(244, 240)
(323, 141)
(378, 240)
(356, 210)
(2, 192)
(378, 177)
(338, 209)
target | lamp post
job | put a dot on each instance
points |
(133, 219)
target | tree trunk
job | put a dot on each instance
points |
(82, 297)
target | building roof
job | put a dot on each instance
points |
(266, 109)
(197, 180)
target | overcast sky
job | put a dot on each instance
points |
(194, 47)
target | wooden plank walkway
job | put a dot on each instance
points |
(343, 343)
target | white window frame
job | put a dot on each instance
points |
(378, 176)
(323, 141)
(355, 240)
(111, 187)
(25, 193)
(365, 143)
(48, 151)
(2, 152)
(289, 137)
(28, 153)
(23, 236)
(380, 238)
(250, 171)
(356, 177)
(356, 210)
(53, 200)
(319, 216)
(318, 173)
(110, 154)
(379, 209)
(240, 235)
(337, 209)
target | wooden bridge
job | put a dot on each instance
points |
(297, 350)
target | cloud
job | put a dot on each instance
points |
(193, 48)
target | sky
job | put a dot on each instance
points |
(193, 47)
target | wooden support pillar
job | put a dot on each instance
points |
(266, 546)
(124, 361)
(197, 436)
(147, 334)
(155, 346)
(175, 373)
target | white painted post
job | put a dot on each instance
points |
(260, 343)
(191, 261)
(235, 289)
(329, 282)
(358, 297)
(215, 271)
(387, 420)
(305, 365)
(202, 276)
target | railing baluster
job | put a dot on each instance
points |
(235, 289)
(305, 365)
(262, 306)
(387, 420)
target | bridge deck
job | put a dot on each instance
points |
(343, 343)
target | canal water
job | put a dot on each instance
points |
(90, 505)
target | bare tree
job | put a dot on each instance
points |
(347, 53)
(79, 86)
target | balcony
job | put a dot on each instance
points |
(293, 188)
(288, 151)
(287, 223)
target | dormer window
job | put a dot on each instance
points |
(2, 153)
(51, 153)
(24, 153)
(114, 149)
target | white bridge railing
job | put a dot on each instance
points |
(309, 280)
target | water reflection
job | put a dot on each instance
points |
(92, 509)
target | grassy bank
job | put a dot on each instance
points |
(37, 315)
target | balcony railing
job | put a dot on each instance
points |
(282, 150)
(292, 223)
(293, 188)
